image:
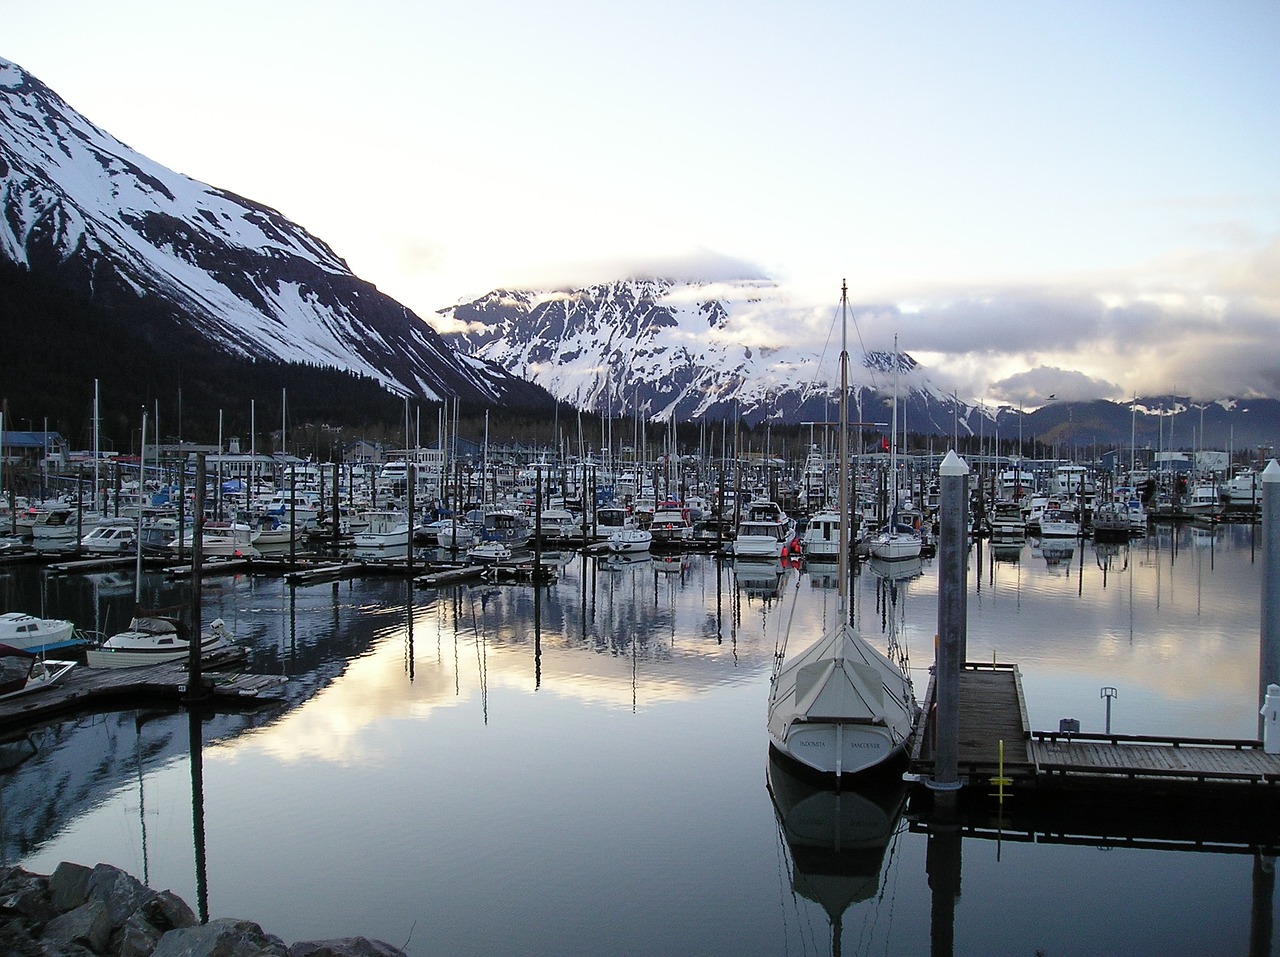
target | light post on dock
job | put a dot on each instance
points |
(1109, 694)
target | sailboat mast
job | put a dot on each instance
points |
(893, 446)
(841, 472)
(142, 498)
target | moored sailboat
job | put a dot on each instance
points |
(841, 707)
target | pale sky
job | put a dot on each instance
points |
(1080, 198)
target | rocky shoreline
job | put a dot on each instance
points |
(102, 911)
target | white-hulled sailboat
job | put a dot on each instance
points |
(840, 707)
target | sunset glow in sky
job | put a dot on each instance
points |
(1080, 198)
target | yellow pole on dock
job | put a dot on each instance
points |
(1000, 780)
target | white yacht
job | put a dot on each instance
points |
(765, 532)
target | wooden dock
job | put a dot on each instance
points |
(102, 689)
(1050, 764)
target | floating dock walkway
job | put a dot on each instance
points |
(997, 745)
(104, 689)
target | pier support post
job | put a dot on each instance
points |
(1269, 647)
(952, 619)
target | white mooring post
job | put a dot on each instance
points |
(1271, 720)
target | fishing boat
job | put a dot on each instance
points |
(1111, 522)
(37, 635)
(155, 638)
(22, 672)
(841, 707)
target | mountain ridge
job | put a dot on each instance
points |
(666, 348)
(79, 207)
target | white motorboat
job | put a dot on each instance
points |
(629, 541)
(764, 532)
(115, 537)
(841, 707)
(820, 541)
(1061, 522)
(454, 533)
(219, 540)
(488, 553)
(56, 529)
(22, 672)
(386, 529)
(1243, 489)
(151, 639)
(1203, 499)
(672, 523)
(37, 635)
(1007, 520)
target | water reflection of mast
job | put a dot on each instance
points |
(408, 648)
(142, 803)
(196, 738)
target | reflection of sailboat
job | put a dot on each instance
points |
(836, 839)
(840, 706)
(902, 570)
(615, 560)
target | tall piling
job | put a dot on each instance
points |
(1269, 653)
(952, 619)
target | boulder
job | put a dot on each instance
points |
(121, 893)
(167, 911)
(25, 896)
(69, 886)
(225, 937)
(87, 924)
(344, 947)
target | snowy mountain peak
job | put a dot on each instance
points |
(661, 348)
(81, 208)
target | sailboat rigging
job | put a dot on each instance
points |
(840, 706)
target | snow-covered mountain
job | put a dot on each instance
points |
(674, 349)
(679, 349)
(86, 211)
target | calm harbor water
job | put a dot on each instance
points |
(583, 769)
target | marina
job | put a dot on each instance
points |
(481, 729)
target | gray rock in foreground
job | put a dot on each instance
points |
(104, 912)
